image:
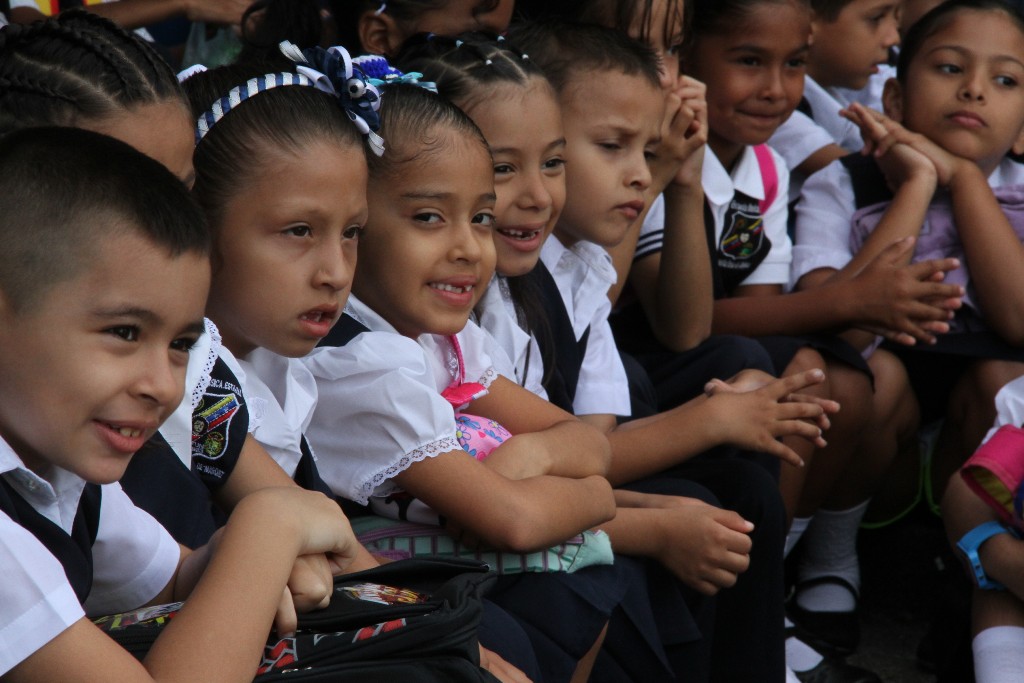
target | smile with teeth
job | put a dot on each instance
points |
(519, 234)
(130, 432)
(451, 288)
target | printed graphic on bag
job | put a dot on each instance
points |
(155, 616)
(278, 656)
(383, 595)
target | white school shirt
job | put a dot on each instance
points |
(380, 407)
(281, 394)
(497, 316)
(825, 210)
(584, 273)
(719, 189)
(133, 559)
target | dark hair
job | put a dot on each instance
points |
(465, 69)
(76, 66)
(939, 17)
(714, 17)
(563, 48)
(616, 14)
(467, 66)
(62, 190)
(411, 120)
(828, 9)
(347, 14)
(267, 22)
(288, 117)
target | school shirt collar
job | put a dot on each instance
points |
(56, 498)
(584, 273)
(367, 316)
(720, 186)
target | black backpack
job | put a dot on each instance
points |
(411, 620)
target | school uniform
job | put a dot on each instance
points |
(131, 560)
(583, 274)
(753, 631)
(178, 471)
(496, 314)
(839, 208)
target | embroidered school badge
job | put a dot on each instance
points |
(211, 428)
(744, 232)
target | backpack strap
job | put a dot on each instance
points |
(769, 176)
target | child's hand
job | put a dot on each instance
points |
(758, 419)
(680, 155)
(744, 380)
(888, 134)
(895, 148)
(905, 303)
(704, 546)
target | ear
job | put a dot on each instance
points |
(379, 34)
(892, 100)
(1018, 144)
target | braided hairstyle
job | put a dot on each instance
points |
(76, 67)
(466, 69)
(348, 13)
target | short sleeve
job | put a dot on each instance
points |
(379, 411)
(484, 359)
(652, 232)
(220, 423)
(798, 138)
(823, 217)
(602, 388)
(36, 601)
(134, 557)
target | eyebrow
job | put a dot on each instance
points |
(964, 52)
(145, 315)
(552, 145)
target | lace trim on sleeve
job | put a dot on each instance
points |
(486, 379)
(381, 480)
(211, 359)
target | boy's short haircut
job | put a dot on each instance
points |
(562, 48)
(63, 190)
(939, 16)
(828, 10)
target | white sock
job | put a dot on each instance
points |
(796, 530)
(999, 655)
(799, 655)
(830, 549)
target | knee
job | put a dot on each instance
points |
(743, 353)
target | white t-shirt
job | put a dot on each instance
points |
(497, 316)
(134, 558)
(380, 407)
(584, 273)
(720, 190)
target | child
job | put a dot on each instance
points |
(77, 202)
(851, 40)
(987, 539)
(285, 239)
(190, 478)
(946, 171)
(427, 251)
(380, 28)
(705, 547)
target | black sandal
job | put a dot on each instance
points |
(835, 634)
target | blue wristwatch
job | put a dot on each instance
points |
(968, 547)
